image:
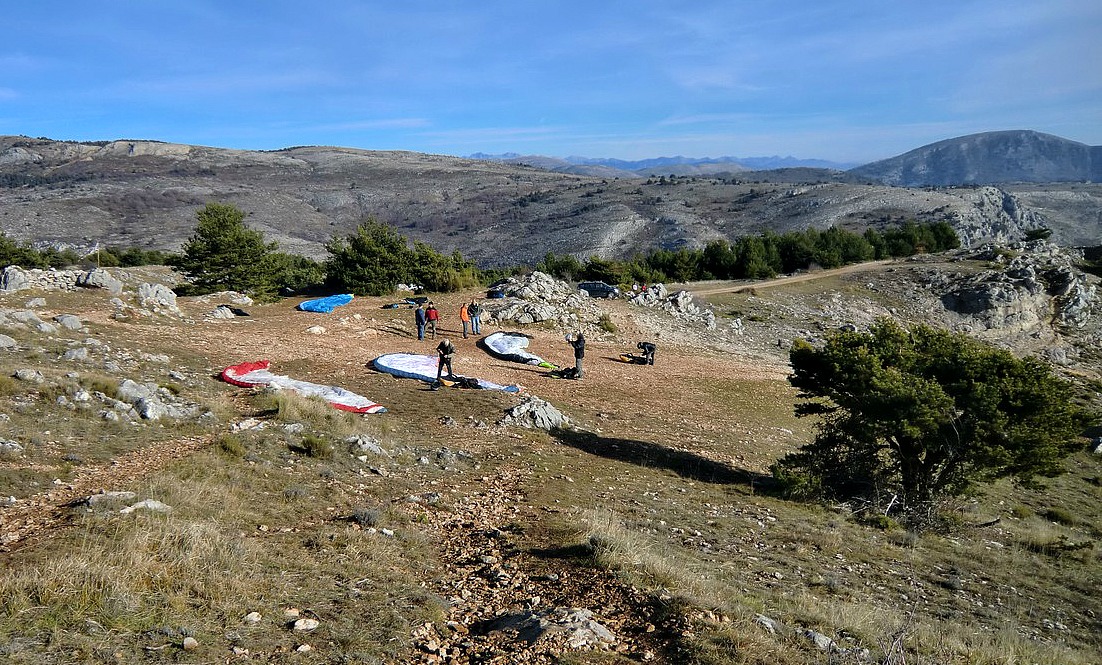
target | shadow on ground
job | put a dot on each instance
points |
(645, 454)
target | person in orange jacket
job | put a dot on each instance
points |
(465, 317)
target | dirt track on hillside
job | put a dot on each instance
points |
(708, 288)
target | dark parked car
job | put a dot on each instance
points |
(598, 290)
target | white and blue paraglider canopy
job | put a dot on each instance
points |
(423, 368)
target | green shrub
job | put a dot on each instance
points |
(230, 445)
(1061, 516)
(316, 446)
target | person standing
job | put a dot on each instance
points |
(465, 317)
(432, 315)
(578, 342)
(446, 351)
(475, 310)
(420, 319)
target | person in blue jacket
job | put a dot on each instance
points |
(420, 319)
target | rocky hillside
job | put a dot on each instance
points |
(146, 194)
(990, 158)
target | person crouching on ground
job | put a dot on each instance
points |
(578, 342)
(446, 350)
(648, 350)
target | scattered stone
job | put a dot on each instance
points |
(540, 297)
(10, 448)
(571, 627)
(35, 303)
(361, 444)
(190, 644)
(771, 625)
(316, 330)
(306, 624)
(148, 504)
(253, 617)
(69, 321)
(31, 375)
(821, 642)
(131, 391)
(102, 497)
(7, 342)
(27, 317)
(679, 304)
(79, 354)
(221, 312)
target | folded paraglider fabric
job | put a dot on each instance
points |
(325, 305)
(512, 346)
(423, 368)
(256, 374)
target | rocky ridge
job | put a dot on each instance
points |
(85, 196)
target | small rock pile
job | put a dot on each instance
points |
(15, 278)
(679, 304)
(539, 297)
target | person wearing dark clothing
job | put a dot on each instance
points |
(475, 312)
(446, 350)
(578, 342)
(421, 320)
(648, 350)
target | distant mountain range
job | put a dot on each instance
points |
(659, 166)
(513, 210)
(1017, 156)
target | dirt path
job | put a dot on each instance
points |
(708, 288)
(42, 513)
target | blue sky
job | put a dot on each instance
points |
(843, 80)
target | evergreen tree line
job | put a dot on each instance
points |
(224, 254)
(24, 255)
(759, 257)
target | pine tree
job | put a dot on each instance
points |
(224, 254)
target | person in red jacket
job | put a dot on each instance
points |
(432, 315)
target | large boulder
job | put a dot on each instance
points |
(98, 278)
(535, 413)
(1038, 285)
(158, 298)
(14, 279)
